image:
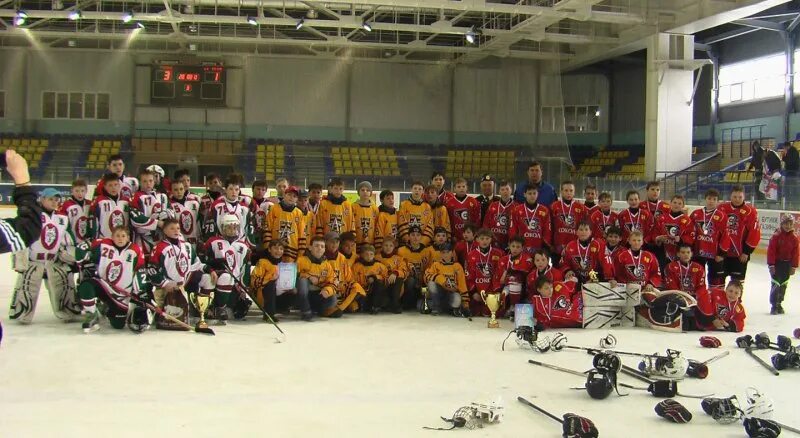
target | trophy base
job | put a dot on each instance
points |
(493, 323)
(201, 325)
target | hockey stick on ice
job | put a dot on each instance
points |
(770, 368)
(572, 425)
(526, 402)
(279, 339)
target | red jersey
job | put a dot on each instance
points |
(714, 303)
(601, 222)
(566, 217)
(482, 267)
(554, 274)
(462, 212)
(657, 208)
(512, 272)
(590, 208)
(498, 219)
(463, 248)
(582, 258)
(564, 309)
(532, 223)
(709, 233)
(641, 269)
(635, 219)
(742, 228)
(678, 229)
(689, 278)
(783, 247)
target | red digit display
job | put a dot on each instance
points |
(167, 75)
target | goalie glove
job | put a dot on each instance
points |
(558, 342)
(710, 342)
(608, 342)
(575, 426)
(760, 428)
(673, 411)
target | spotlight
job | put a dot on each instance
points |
(300, 24)
(127, 17)
(140, 25)
(19, 21)
(21, 14)
(597, 113)
(252, 21)
(71, 43)
(366, 26)
(74, 15)
(472, 34)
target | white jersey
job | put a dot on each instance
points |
(117, 269)
(79, 221)
(260, 211)
(173, 262)
(130, 186)
(146, 209)
(187, 211)
(232, 255)
(239, 208)
(55, 236)
(109, 213)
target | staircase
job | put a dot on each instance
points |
(309, 165)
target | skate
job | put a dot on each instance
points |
(91, 322)
(222, 315)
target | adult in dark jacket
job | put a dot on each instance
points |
(547, 194)
(19, 232)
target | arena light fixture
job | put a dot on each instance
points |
(127, 17)
(20, 18)
(366, 26)
(140, 25)
(252, 21)
(472, 34)
(300, 24)
(74, 15)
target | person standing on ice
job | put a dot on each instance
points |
(547, 193)
(24, 229)
(116, 166)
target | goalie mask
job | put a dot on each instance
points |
(230, 226)
(722, 410)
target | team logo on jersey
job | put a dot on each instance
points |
(415, 221)
(366, 225)
(394, 231)
(582, 262)
(733, 223)
(114, 271)
(637, 271)
(187, 222)
(230, 258)
(486, 269)
(722, 311)
(502, 220)
(82, 228)
(672, 230)
(463, 215)
(182, 265)
(561, 303)
(567, 219)
(116, 219)
(686, 284)
(49, 236)
(285, 230)
(450, 283)
(533, 224)
(336, 223)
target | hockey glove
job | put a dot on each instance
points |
(710, 342)
(663, 388)
(744, 341)
(575, 426)
(673, 411)
(696, 369)
(758, 428)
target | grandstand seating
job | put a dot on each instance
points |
(100, 151)
(612, 161)
(472, 164)
(32, 149)
(270, 161)
(364, 161)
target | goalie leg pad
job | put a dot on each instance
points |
(62, 292)
(26, 293)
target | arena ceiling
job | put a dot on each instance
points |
(574, 32)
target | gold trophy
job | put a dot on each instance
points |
(593, 276)
(201, 303)
(492, 301)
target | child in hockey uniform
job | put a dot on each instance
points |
(229, 256)
(512, 272)
(231, 203)
(541, 268)
(635, 218)
(441, 219)
(709, 238)
(670, 230)
(335, 213)
(566, 214)
(655, 206)
(76, 209)
(386, 222)
(590, 201)
(613, 246)
(148, 209)
(447, 286)
(119, 275)
(585, 255)
(437, 182)
(462, 209)
(721, 310)
(635, 265)
(466, 244)
(41, 261)
(397, 273)
(602, 217)
(214, 191)
(347, 247)
(783, 258)
(372, 276)
(305, 208)
(350, 295)
(415, 213)
(498, 215)
(483, 264)
(175, 270)
(316, 283)
(365, 216)
(287, 223)
(186, 206)
(415, 257)
(557, 305)
(685, 275)
(531, 221)
(116, 166)
(259, 206)
(433, 252)
(264, 280)
(743, 233)
(110, 209)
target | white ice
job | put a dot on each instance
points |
(364, 376)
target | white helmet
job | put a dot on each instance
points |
(758, 405)
(232, 222)
(158, 170)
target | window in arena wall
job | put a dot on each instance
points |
(573, 118)
(75, 105)
(754, 79)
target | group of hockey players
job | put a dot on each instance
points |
(146, 243)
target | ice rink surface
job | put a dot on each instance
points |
(364, 376)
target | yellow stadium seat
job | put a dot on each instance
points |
(45, 142)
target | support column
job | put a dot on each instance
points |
(789, 45)
(668, 119)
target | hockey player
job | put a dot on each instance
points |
(264, 280)
(685, 275)
(116, 166)
(415, 213)
(335, 212)
(433, 252)
(783, 257)
(281, 184)
(119, 276)
(231, 203)
(437, 180)
(259, 206)
(186, 206)
(590, 202)
(483, 264)
(285, 222)
(512, 273)
(314, 196)
(721, 309)
(41, 261)
(743, 233)
(557, 305)
(229, 256)
(709, 232)
(372, 275)
(655, 206)
(462, 209)
(386, 222)
(566, 214)
(148, 210)
(670, 230)
(316, 282)
(175, 270)
(347, 247)
(531, 221)
(487, 195)
(602, 217)
(541, 268)
(110, 209)
(613, 246)
(466, 244)
(447, 286)
(163, 184)
(636, 265)
(439, 211)
(498, 215)
(635, 218)
(396, 277)
(350, 295)
(585, 255)
(365, 216)
(415, 256)
(302, 204)
(76, 209)
(214, 191)
(184, 176)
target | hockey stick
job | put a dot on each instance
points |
(789, 428)
(770, 368)
(279, 339)
(526, 402)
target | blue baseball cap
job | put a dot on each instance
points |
(50, 192)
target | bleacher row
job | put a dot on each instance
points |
(32, 149)
(100, 151)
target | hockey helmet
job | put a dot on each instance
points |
(599, 385)
(758, 405)
(158, 170)
(230, 225)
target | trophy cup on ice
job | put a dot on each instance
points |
(492, 301)
(201, 303)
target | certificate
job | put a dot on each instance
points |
(287, 276)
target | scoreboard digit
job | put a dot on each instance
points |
(188, 85)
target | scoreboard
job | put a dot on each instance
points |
(188, 85)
